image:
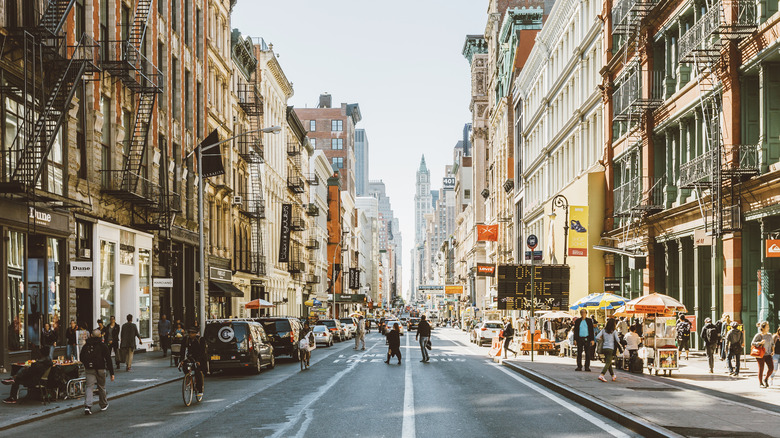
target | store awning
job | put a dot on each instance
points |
(222, 289)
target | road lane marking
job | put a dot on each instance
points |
(573, 408)
(408, 429)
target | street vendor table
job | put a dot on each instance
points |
(70, 376)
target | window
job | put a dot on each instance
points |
(467, 194)
(174, 16)
(144, 293)
(81, 140)
(81, 18)
(188, 102)
(104, 28)
(125, 18)
(105, 151)
(336, 125)
(16, 302)
(313, 143)
(161, 65)
(198, 33)
(186, 22)
(161, 7)
(337, 143)
(198, 108)
(107, 278)
(176, 105)
(312, 125)
(338, 163)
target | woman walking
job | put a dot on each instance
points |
(610, 344)
(763, 341)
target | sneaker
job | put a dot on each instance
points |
(614, 378)
(87, 411)
(578, 369)
(200, 395)
(104, 407)
(387, 361)
(601, 377)
(10, 401)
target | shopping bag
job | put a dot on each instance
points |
(757, 351)
(428, 344)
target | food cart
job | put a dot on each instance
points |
(659, 330)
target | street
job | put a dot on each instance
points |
(460, 392)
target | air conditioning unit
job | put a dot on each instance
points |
(238, 200)
(85, 253)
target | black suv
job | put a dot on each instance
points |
(237, 344)
(283, 332)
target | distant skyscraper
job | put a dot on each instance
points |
(423, 201)
(361, 162)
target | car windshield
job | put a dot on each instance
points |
(492, 325)
(330, 324)
(320, 328)
(391, 323)
(223, 334)
(347, 321)
(273, 327)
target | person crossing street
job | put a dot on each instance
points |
(423, 335)
(360, 333)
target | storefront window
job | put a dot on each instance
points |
(126, 248)
(53, 302)
(107, 256)
(144, 293)
(54, 166)
(16, 304)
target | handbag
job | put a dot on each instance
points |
(428, 344)
(759, 351)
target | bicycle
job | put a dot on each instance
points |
(188, 389)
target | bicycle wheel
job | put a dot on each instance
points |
(199, 396)
(302, 359)
(187, 389)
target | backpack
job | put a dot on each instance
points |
(509, 332)
(92, 357)
(710, 334)
(684, 328)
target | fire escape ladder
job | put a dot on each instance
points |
(257, 212)
(139, 136)
(66, 74)
(53, 18)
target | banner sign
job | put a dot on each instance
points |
(430, 287)
(551, 287)
(453, 290)
(772, 248)
(486, 270)
(284, 233)
(212, 158)
(578, 230)
(487, 233)
(354, 278)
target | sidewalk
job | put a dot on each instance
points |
(692, 402)
(149, 370)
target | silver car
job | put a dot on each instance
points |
(322, 335)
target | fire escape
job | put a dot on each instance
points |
(717, 170)
(636, 195)
(153, 205)
(50, 71)
(296, 183)
(250, 148)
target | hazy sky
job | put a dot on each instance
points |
(400, 60)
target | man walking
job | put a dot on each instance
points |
(394, 341)
(735, 342)
(111, 338)
(584, 338)
(423, 334)
(710, 335)
(96, 359)
(509, 333)
(164, 330)
(127, 338)
(683, 334)
(360, 333)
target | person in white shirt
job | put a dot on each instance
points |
(360, 334)
(632, 341)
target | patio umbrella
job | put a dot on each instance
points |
(655, 303)
(313, 303)
(602, 300)
(258, 304)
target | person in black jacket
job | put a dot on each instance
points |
(48, 340)
(96, 359)
(28, 376)
(111, 338)
(584, 338)
(509, 333)
(195, 347)
(70, 336)
(423, 334)
(394, 340)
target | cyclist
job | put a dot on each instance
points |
(195, 347)
(306, 343)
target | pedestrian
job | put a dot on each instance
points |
(762, 341)
(711, 336)
(127, 341)
(394, 340)
(683, 334)
(776, 356)
(622, 326)
(96, 359)
(724, 326)
(584, 338)
(111, 338)
(70, 337)
(360, 333)
(423, 335)
(632, 343)
(509, 333)
(164, 331)
(735, 341)
(48, 340)
(28, 376)
(610, 343)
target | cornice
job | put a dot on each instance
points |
(279, 76)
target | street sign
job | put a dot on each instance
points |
(550, 287)
(538, 255)
(430, 287)
(612, 284)
(532, 241)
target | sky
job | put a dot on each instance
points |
(400, 60)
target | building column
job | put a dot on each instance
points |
(648, 274)
(671, 186)
(732, 275)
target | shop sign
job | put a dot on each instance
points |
(162, 282)
(430, 287)
(220, 274)
(40, 217)
(578, 234)
(256, 282)
(284, 233)
(700, 238)
(486, 270)
(612, 284)
(453, 290)
(773, 248)
(80, 269)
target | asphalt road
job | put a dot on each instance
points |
(347, 393)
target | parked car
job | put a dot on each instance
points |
(322, 335)
(392, 322)
(350, 325)
(283, 332)
(237, 344)
(335, 328)
(413, 323)
(484, 332)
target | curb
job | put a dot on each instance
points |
(610, 411)
(81, 406)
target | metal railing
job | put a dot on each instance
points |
(123, 59)
(125, 185)
(628, 96)
(699, 170)
(627, 196)
(747, 158)
(313, 244)
(312, 210)
(701, 37)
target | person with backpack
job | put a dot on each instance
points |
(683, 334)
(423, 335)
(735, 342)
(711, 336)
(96, 359)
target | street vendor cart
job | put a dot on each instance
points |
(659, 330)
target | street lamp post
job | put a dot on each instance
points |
(560, 201)
(201, 253)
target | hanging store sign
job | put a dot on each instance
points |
(354, 278)
(578, 230)
(773, 248)
(453, 290)
(487, 233)
(700, 238)
(430, 287)
(284, 233)
(220, 274)
(80, 269)
(162, 282)
(612, 284)
(486, 270)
